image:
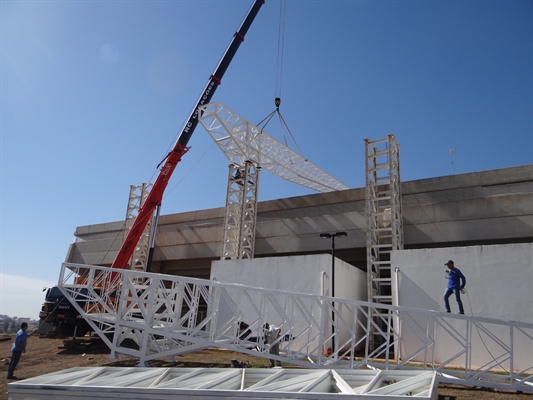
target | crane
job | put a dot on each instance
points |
(250, 149)
(172, 159)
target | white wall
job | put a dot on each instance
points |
(499, 283)
(499, 279)
(302, 274)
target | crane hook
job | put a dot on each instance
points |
(277, 101)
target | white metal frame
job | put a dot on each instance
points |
(226, 383)
(241, 141)
(249, 149)
(241, 212)
(138, 195)
(160, 313)
(384, 226)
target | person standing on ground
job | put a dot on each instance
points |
(272, 333)
(456, 283)
(19, 347)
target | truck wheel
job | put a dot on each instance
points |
(65, 329)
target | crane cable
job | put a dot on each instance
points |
(281, 46)
(279, 80)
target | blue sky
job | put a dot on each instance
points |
(93, 93)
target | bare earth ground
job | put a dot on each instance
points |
(45, 355)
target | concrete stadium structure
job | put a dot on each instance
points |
(481, 208)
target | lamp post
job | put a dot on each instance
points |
(332, 236)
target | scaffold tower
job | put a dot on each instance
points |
(138, 195)
(383, 221)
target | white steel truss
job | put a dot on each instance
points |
(225, 383)
(384, 228)
(136, 199)
(241, 212)
(161, 314)
(249, 149)
(242, 141)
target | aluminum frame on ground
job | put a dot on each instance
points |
(225, 383)
(160, 314)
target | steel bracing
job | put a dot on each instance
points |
(241, 211)
(242, 141)
(138, 195)
(225, 383)
(250, 149)
(171, 315)
(384, 228)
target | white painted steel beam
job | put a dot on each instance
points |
(160, 313)
(241, 141)
(216, 383)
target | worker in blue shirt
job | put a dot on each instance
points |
(456, 283)
(19, 347)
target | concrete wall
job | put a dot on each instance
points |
(486, 207)
(302, 274)
(499, 283)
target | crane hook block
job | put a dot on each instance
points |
(277, 101)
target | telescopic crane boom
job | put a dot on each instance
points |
(180, 148)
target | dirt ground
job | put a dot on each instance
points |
(45, 355)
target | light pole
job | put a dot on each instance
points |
(332, 236)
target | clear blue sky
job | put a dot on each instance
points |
(93, 93)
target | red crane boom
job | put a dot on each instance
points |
(180, 148)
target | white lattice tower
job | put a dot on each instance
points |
(383, 220)
(241, 212)
(136, 199)
(242, 143)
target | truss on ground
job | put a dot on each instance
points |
(160, 313)
(225, 383)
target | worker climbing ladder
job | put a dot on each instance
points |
(384, 225)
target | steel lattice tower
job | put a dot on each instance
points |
(384, 228)
(138, 195)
